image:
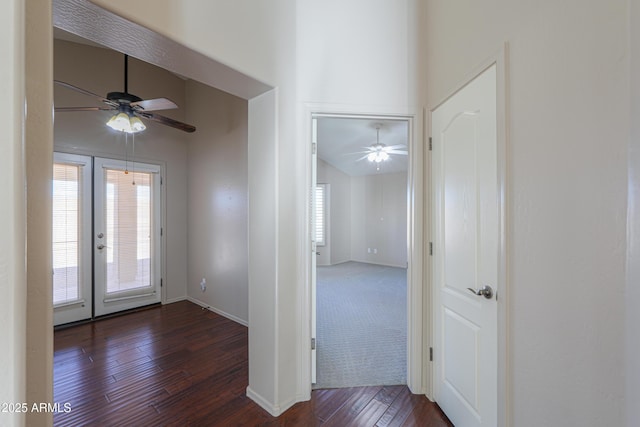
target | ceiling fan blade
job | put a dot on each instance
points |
(395, 147)
(86, 92)
(166, 121)
(404, 153)
(155, 104)
(71, 109)
(362, 158)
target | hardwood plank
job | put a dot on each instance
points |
(179, 365)
(352, 407)
(370, 415)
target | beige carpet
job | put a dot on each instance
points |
(361, 325)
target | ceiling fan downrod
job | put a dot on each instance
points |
(126, 73)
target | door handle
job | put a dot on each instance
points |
(485, 291)
(101, 246)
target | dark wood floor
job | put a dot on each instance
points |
(179, 365)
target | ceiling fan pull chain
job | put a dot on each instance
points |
(133, 158)
(126, 148)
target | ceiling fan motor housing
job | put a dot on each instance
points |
(121, 97)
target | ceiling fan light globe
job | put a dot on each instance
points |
(371, 157)
(120, 122)
(137, 125)
(384, 155)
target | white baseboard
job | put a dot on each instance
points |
(274, 410)
(374, 263)
(218, 311)
(172, 300)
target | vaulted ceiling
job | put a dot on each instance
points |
(343, 143)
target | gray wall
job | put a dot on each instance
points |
(218, 201)
(367, 218)
(379, 219)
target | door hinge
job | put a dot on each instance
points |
(161, 181)
(314, 147)
(313, 343)
(161, 231)
(430, 144)
(161, 282)
(431, 248)
(430, 354)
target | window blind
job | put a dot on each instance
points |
(128, 234)
(66, 233)
(320, 214)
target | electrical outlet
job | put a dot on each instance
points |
(375, 250)
(368, 250)
(203, 284)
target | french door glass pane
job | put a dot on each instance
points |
(128, 230)
(66, 233)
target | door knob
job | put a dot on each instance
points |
(101, 246)
(485, 291)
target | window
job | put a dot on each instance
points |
(66, 233)
(321, 214)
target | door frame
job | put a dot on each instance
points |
(415, 209)
(83, 151)
(68, 312)
(500, 59)
(126, 300)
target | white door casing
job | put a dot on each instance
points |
(466, 252)
(314, 249)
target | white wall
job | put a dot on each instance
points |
(38, 60)
(12, 216)
(101, 71)
(365, 212)
(356, 54)
(567, 193)
(338, 247)
(632, 294)
(217, 182)
(379, 219)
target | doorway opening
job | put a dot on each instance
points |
(360, 227)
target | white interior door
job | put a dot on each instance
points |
(127, 233)
(314, 249)
(466, 248)
(71, 206)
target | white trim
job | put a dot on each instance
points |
(383, 264)
(415, 361)
(504, 359)
(500, 59)
(216, 310)
(174, 300)
(274, 410)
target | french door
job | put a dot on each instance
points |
(106, 236)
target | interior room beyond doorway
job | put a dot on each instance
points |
(361, 252)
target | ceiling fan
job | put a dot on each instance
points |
(379, 152)
(129, 108)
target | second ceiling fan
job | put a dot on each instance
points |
(128, 108)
